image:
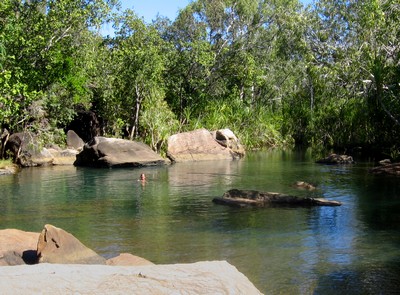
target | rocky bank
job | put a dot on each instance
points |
(61, 264)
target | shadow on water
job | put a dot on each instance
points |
(374, 279)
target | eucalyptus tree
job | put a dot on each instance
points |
(235, 59)
(377, 24)
(139, 59)
(349, 95)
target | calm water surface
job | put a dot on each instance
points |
(352, 249)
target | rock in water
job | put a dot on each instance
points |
(334, 159)
(243, 198)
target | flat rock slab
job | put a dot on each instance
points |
(211, 277)
(245, 198)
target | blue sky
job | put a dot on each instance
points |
(148, 9)
(169, 8)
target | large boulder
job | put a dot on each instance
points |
(211, 277)
(17, 247)
(201, 144)
(114, 152)
(246, 198)
(55, 245)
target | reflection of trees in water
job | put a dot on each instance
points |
(204, 173)
(360, 253)
(379, 201)
(374, 279)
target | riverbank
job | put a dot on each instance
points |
(54, 261)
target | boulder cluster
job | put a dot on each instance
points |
(98, 151)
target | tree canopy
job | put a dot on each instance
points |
(275, 72)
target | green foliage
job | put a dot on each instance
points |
(158, 122)
(5, 163)
(273, 72)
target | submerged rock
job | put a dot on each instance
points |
(334, 159)
(304, 185)
(245, 198)
(388, 169)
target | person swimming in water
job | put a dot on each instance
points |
(142, 177)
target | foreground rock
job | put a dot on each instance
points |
(244, 198)
(388, 169)
(215, 277)
(334, 159)
(124, 274)
(201, 145)
(17, 247)
(58, 246)
(114, 152)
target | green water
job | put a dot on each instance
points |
(352, 249)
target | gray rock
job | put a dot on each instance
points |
(74, 141)
(114, 152)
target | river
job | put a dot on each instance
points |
(351, 249)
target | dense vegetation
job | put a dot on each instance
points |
(273, 71)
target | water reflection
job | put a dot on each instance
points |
(171, 219)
